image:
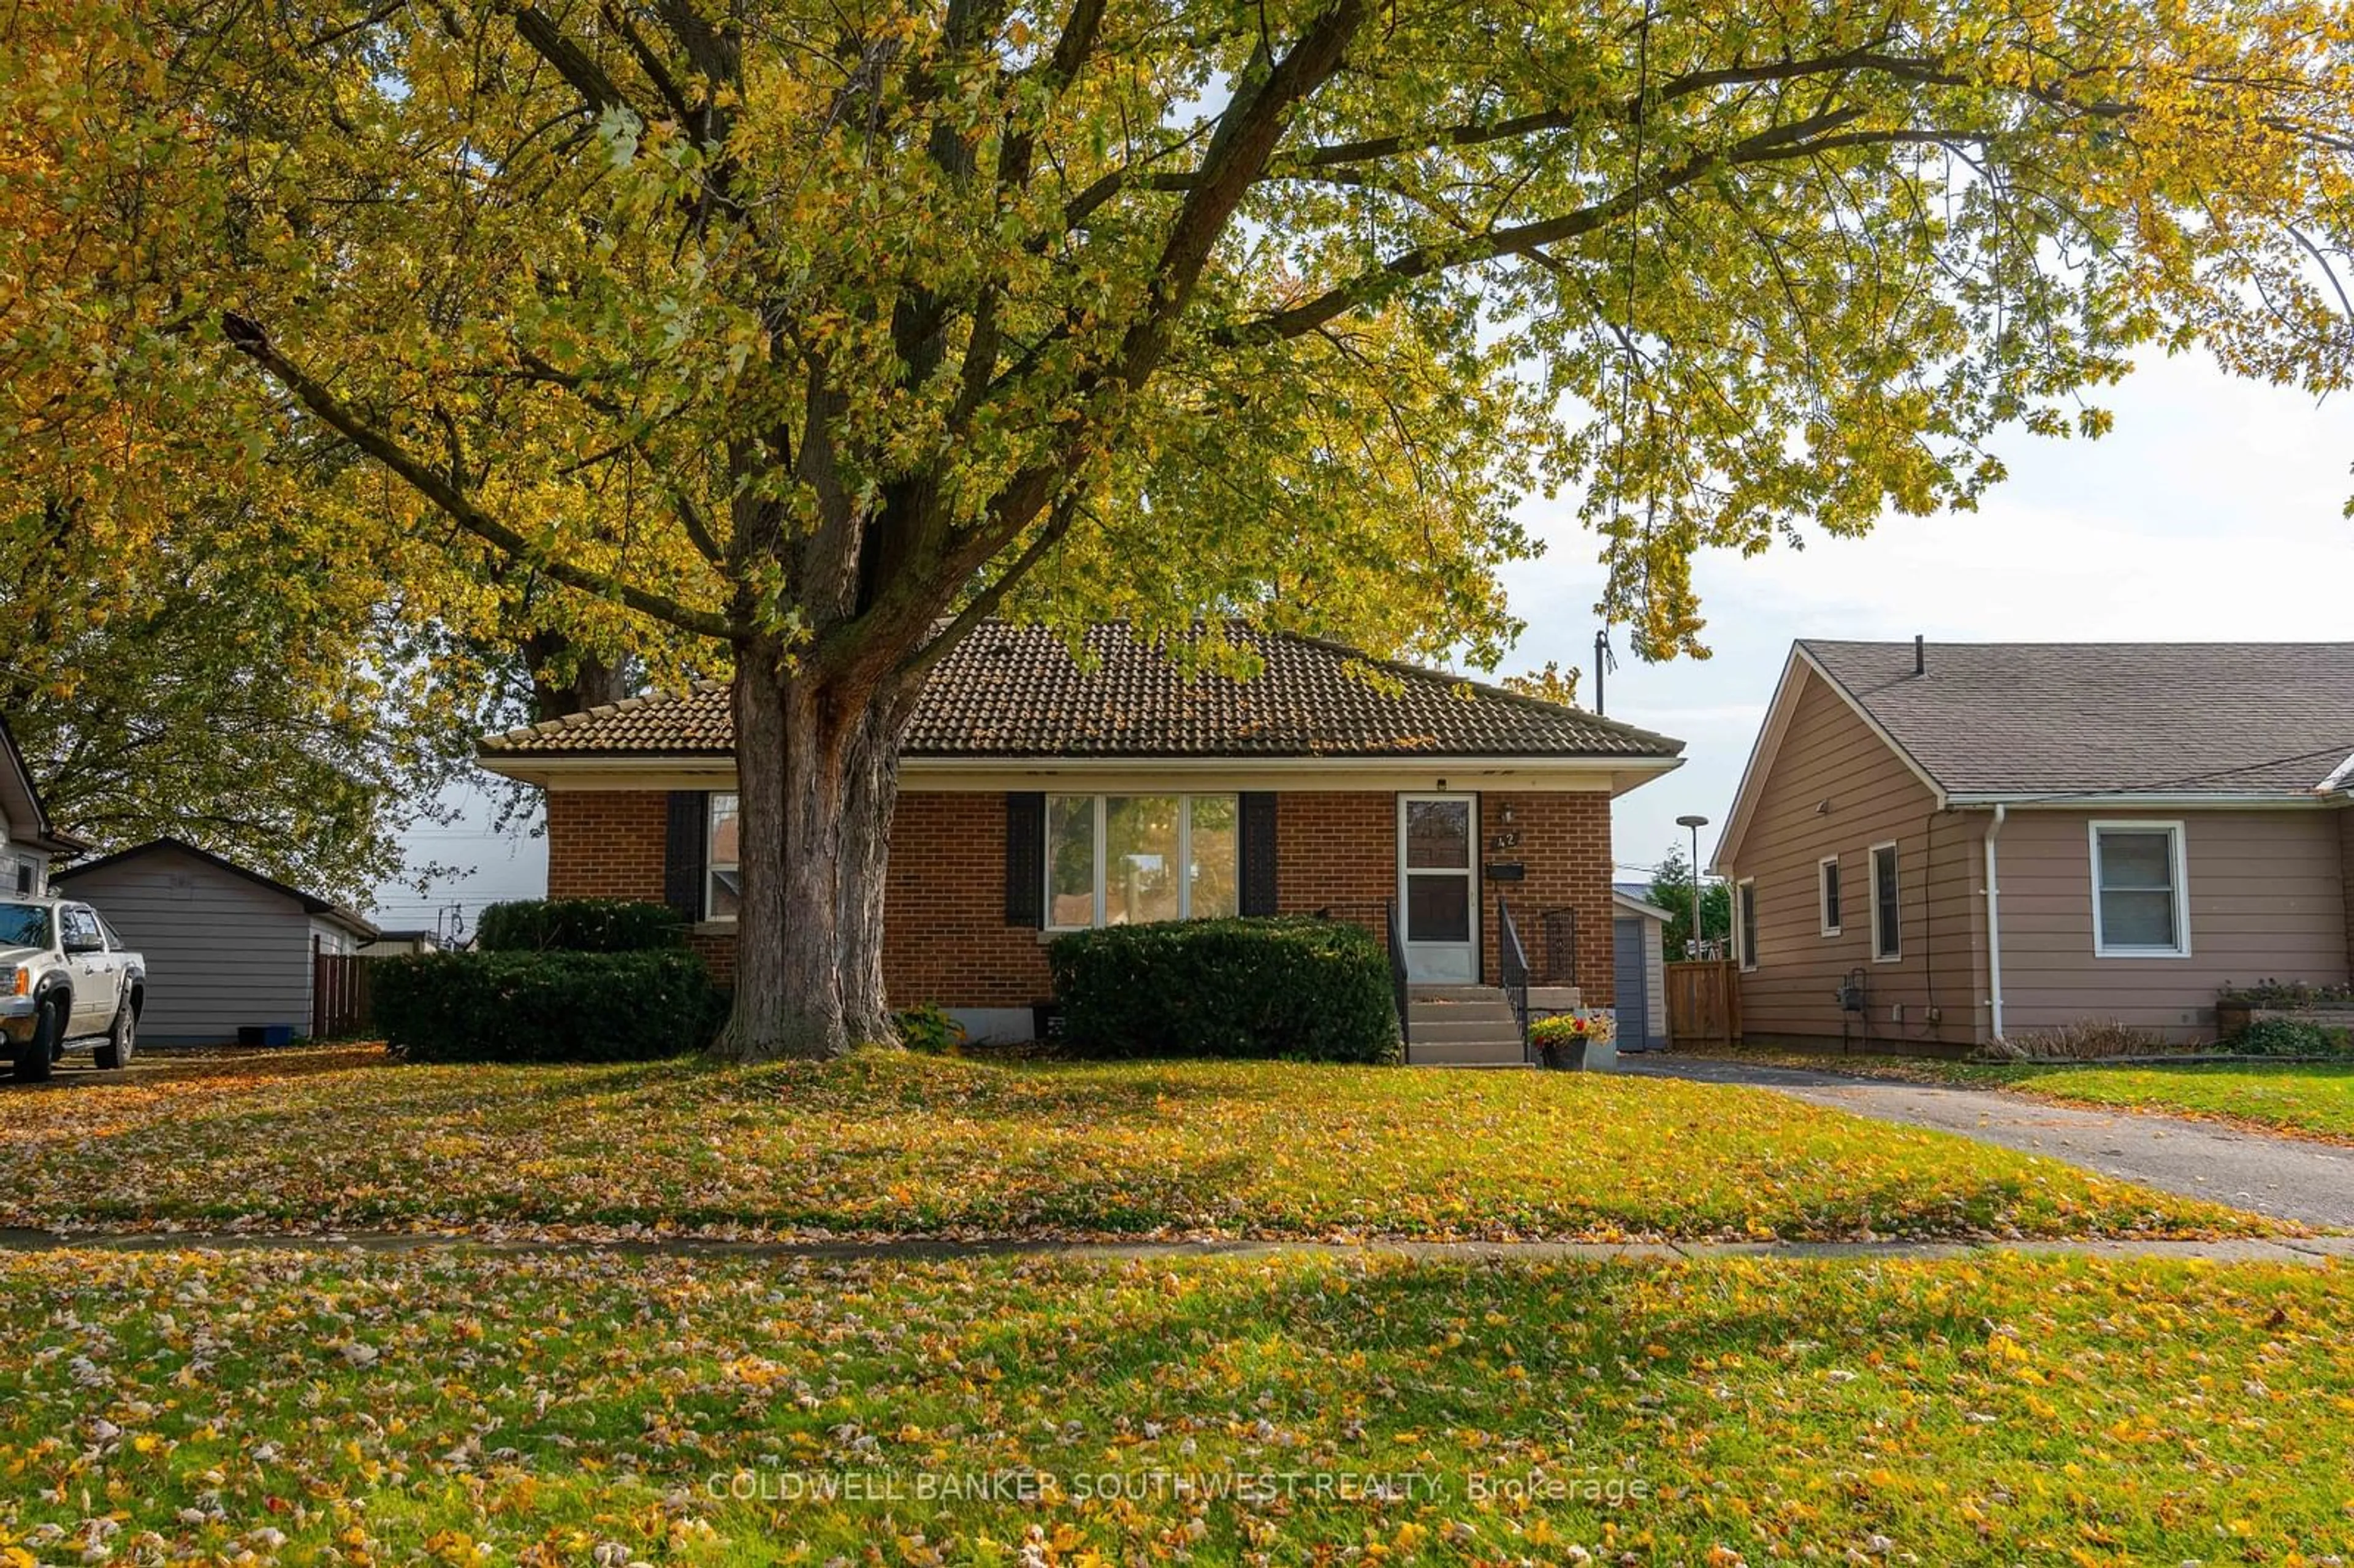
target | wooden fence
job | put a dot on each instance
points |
(1704, 1003)
(340, 995)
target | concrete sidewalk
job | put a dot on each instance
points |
(2307, 1250)
(2276, 1174)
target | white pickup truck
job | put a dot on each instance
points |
(67, 982)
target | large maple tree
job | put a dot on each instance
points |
(799, 338)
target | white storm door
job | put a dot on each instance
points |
(1438, 887)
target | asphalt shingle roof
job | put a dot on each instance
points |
(1017, 691)
(2159, 718)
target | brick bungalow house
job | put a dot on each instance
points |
(1042, 793)
(1993, 840)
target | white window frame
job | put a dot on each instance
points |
(1826, 870)
(1744, 917)
(711, 866)
(1871, 875)
(2180, 861)
(1185, 799)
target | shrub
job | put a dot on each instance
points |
(579, 926)
(1306, 988)
(2290, 1037)
(2088, 1040)
(546, 1007)
(929, 1029)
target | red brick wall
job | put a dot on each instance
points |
(606, 843)
(1565, 848)
(945, 937)
(1337, 851)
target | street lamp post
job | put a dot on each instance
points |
(1691, 947)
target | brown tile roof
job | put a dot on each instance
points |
(1016, 691)
(2157, 718)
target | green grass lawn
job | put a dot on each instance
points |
(2311, 1098)
(893, 1144)
(473, 1408)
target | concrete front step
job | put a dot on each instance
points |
(1496, 1013)
(1467, 1054)
(1541, 998)
(1467, 1030)
(1417, 994)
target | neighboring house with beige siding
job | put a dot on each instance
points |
(1935, 847)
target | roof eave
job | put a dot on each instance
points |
(1768, 744)
(1979, 799)
(1624, 772)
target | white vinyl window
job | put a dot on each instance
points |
(723, 893)
(2139, 907)
(1124, 860)
(1887, 910)
(1744, 920)
(1826, 893)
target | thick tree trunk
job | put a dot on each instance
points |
(564, 680)
(817, 778)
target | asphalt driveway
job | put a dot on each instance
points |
(2288, 1178)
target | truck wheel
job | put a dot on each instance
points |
(37, 1055)
(122, 1040)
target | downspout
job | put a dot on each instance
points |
(1993, 923)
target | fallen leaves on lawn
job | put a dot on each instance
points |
(890, 1144)
(609, 1411)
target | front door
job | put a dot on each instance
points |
(1438, 887)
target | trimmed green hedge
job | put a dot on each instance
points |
(579, 926)
(546, 1007)
(1292, 986)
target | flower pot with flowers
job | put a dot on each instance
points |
(1575, 1042)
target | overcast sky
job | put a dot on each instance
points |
(2212, 512)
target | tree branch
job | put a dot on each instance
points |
(1238, 154)
(1481, 135)
(249, 339)
(1799, 138)
(985, 604)
(571, 62)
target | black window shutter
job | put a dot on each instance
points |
(1257, 831)
(683, 851)
(1026, 859)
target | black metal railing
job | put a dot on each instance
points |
(1512, 962)
(1398, 980)
(1557, 947)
